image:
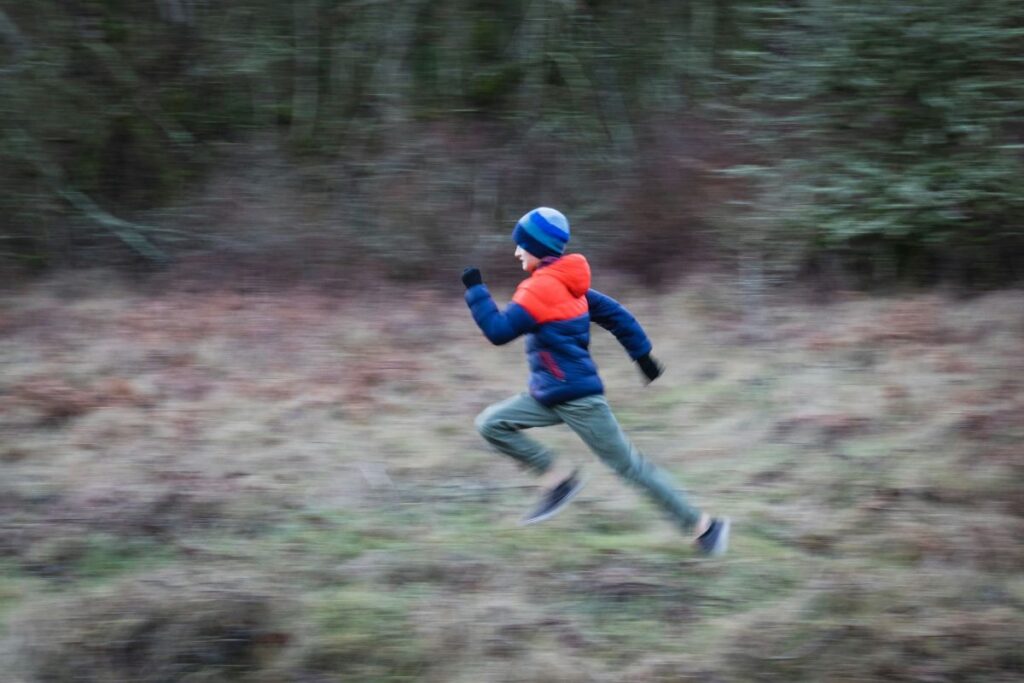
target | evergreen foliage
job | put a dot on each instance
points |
(892, 134)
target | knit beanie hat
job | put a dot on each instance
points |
(542, 232)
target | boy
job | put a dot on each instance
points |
(554, 308)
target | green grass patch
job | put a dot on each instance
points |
(362, 634)
(12, 591)
(738, 586)
(625, 625)
(106, 556)
(94, 557)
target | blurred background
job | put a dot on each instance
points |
(870, 145)
(238, 382)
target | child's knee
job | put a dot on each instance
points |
(486, 424)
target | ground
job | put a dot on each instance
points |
(285, 485)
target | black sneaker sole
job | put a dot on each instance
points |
(527, 521)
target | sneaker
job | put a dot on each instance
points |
(715, 541)
(555, 499)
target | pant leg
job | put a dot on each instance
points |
(592, 418)
(502, 423)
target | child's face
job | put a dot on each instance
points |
(530, 262)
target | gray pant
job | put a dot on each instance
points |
(591, 418)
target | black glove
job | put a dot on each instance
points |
(651, 368)
(471, 277)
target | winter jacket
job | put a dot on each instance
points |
(554, 308)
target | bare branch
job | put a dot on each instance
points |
(129, 233)
(132, 234)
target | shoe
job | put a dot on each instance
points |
(555, 499)
(715, 541)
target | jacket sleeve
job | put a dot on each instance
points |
(500, 327)
(613, 316)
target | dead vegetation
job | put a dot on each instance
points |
(264, 486)
(165, 626)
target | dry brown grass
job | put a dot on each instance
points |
(181, 467)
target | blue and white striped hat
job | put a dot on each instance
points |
(542, 232)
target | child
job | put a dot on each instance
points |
(554, 308)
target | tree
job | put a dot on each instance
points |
(891, 134)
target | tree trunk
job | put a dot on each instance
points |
(305, 84)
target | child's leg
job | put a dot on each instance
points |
(502, 423)
(593, 420)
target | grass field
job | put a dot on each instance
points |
(268, 486)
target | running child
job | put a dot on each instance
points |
(554, 307)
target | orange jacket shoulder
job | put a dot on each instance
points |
(547, 299)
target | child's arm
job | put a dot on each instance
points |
(500, 327)
(614, 317)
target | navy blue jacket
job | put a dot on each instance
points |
(554, 308)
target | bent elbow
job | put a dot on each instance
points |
(500, 338)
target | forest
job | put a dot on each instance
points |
(866, 145)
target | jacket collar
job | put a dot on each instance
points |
(546, 261)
